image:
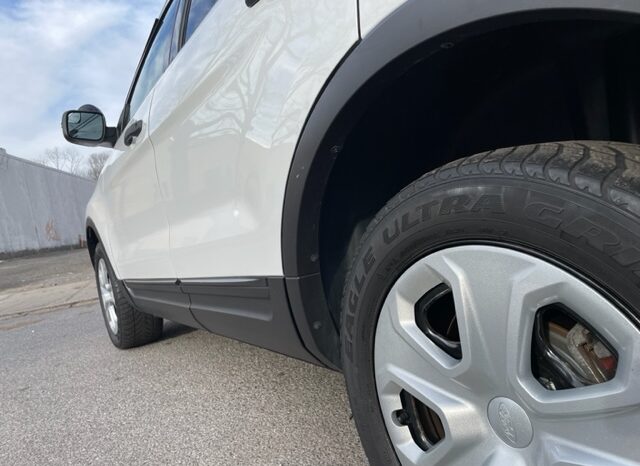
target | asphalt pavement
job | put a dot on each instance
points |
(46, 270)
(67, 396)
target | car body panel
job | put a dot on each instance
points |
(134, 222)
(225, 121)
(373, 12)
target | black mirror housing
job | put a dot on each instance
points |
(87, 128)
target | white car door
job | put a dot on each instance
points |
(225, 120)
(138, 229)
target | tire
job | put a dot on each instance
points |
(132, 327)
(573, 204)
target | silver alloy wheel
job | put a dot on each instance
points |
(493, 410)
(106, 295)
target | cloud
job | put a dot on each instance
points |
(59, 54)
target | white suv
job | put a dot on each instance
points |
(270, 186)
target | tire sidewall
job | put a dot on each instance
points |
(583, 234)
(101, 254)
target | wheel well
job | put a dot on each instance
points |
(530, 83)
(92, 242)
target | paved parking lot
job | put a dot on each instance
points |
(67, 396)
(46, 270)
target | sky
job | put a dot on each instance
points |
(56, 55)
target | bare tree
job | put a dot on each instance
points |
(67, 159)
(96, 164)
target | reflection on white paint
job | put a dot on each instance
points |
(225, 120)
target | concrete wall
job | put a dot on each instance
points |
(40, 207)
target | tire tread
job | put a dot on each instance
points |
(135, 328)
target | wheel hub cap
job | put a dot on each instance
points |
(510, 422)
(473, 376)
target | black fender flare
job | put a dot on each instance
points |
(412, 33)
(89, 224)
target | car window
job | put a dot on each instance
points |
(197, 11)
(156, 59)
(177, 31)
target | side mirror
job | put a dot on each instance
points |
(87, 128)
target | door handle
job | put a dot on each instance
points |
(132, 132)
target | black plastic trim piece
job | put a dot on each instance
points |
(132, 132)
(317, 329)
(236, 287)
(125, 114)
(89, 224)
(422, 308)
(177, 37)
(259, 315)
(251, 309)
(412, 33)
(162, 298)
(425, 430)
(250, 3)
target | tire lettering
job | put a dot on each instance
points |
(353, 301)
(389, 237)
(593, 230)
(544, 213)
(359, 282)
(425, 210)
(368, 260)
(455, 204)
(628, 256)
(595, 235)
(490, 202)
(407, 223)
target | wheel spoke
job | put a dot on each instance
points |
(463, 424)
(488, 453)
(410, 364)
(493, 329)
(410, 349)
(619, 393)
(401, 368)
(608, 440)
(591, 425)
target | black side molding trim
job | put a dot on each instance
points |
(251, 309)
(250, 3)
(162, 298)
(257, 288)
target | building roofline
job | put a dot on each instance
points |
(5, 154)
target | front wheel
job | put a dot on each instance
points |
(127, 326)
(492, 313)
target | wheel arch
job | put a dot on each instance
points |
(415, 32)
(93, 239)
